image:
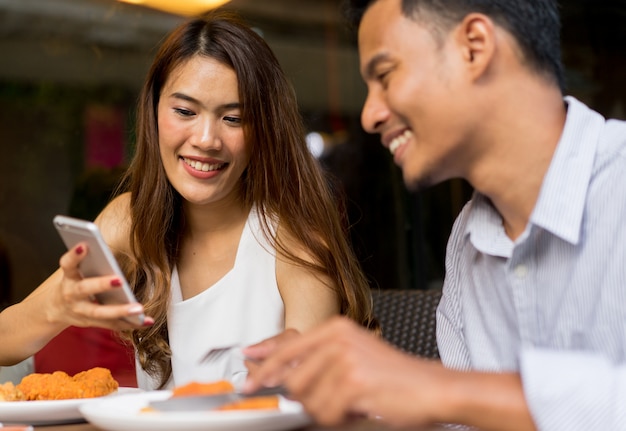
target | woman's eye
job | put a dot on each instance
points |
(232, 120)
(184, 112)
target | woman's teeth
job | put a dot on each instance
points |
(399, 141)
(204, 167)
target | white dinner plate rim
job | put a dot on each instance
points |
(123, 414)
(51, 412)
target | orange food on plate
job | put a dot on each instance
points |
(8, 392)
(269, 402)
(59, 385)
(198, 388)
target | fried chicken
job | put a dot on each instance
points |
(59, 385)
(8, 392)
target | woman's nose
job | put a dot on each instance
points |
(375, 113)
(204, 134)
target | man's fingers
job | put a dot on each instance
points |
(252, 366)
(330, 380)
(283, 356)
(319, 383)
(263, 349)
(291, 352)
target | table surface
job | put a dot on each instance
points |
(359, 425)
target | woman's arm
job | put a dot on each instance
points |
(65, 299)
(309, 298)
(25, 327)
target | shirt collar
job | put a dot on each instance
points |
(561, 203)
(560, 206)
(484, 226)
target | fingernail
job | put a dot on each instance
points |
(116, 282)
(79, 249)
(135, 308)
(148, 321)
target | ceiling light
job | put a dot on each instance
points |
(180, 7)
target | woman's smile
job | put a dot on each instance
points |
(203, 169)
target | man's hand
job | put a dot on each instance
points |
(257, 353)
(340, 370)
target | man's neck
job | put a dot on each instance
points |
(523, 133)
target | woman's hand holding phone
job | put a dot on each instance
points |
(94, 291)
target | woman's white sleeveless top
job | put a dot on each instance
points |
(242, 308)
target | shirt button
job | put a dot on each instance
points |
(521, 271)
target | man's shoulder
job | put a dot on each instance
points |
(611, 151)
(613, 137)
(611, 131)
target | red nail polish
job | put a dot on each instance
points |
(79, 249)
(116, 282)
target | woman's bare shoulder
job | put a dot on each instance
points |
(115, 222)
(309, 296)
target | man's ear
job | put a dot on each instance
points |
(476, 37)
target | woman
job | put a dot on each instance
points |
(228, 231)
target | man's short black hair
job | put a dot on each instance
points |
(535, 24)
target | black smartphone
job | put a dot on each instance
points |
(99, 260)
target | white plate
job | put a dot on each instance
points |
(124, 414)
(50, 412)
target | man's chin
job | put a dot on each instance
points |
(416, 184)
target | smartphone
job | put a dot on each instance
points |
(99, 260)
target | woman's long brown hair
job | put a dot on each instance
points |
(283, 181)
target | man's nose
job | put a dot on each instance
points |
(374, 114)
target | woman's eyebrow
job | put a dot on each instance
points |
(233, 105)
(224, 106)
(184, 96)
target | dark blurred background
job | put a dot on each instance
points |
(70, 73)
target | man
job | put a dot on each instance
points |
(532, 323)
